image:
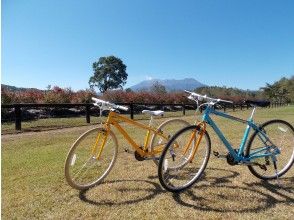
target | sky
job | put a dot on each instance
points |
(232, 43)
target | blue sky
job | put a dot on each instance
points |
(233, 43)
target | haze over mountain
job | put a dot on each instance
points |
(169, 84)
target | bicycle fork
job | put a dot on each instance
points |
(100, 141)
(201, 132)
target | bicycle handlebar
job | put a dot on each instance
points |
(199, 97)
(108, 104)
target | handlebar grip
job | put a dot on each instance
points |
(227, 101)
(186, 91)
(109, 104)
(98, 100)
(122, 108)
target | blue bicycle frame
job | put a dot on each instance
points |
(265, 151)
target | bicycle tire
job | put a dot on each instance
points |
(273, 129)
(96, 170)
(168, 129)
(176, 182)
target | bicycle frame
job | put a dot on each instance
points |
(239, 155)
(114, 119)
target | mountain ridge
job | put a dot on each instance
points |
(17, 89)
(169, 84)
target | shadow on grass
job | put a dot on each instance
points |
(284, 191)
(218, 194)
(149, 192)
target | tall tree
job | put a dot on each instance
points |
(109, 73)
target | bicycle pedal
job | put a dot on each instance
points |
(128, 151)
(215, 153)
(263, 167)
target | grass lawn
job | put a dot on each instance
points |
(33, 184)
(57, 123)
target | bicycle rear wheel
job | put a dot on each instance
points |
(168, 129)
(281, 134)
(182, 162)
(83, 167)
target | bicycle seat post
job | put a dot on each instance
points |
(252, 113)
(151, 121)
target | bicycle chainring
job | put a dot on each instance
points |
(138, 156)
(231, 160)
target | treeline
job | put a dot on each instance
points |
(66, 95)
(233, 94)
(281, 91)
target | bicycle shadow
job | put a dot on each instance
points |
(277, 189)
(220, 194)
(216, 191)
(144, 190)
(128, 193)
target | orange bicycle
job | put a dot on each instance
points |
(94, 153)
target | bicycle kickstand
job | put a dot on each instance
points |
(276, 171)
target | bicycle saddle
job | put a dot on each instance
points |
(260, 103)
(155, 113)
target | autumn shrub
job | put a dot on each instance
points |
(58, 95)
(7, 97)
(29, 96)
(83, 96)
(145, 97)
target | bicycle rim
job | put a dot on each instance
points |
(168, 129)
(281, 134)
(179, 168)
(83, 167)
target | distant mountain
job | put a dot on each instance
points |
(17, 89)
(169, 84)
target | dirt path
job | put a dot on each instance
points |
(53, 131)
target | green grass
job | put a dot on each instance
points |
(57, 123)
(33, 184)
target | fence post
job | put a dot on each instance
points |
(132, 110)
(241, 106)
(233, 107)
(184, 110)
(88, 113)
(17, 111)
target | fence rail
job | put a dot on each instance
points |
(18, 108)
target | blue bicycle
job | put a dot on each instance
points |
(269, 152)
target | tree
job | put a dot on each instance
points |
(129, 90)
(158, 88)
(109, 73)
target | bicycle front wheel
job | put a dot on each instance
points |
(90, 158)
(167, 129)
(281, 135)
(184, 158)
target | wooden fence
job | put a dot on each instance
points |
(18, 108)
